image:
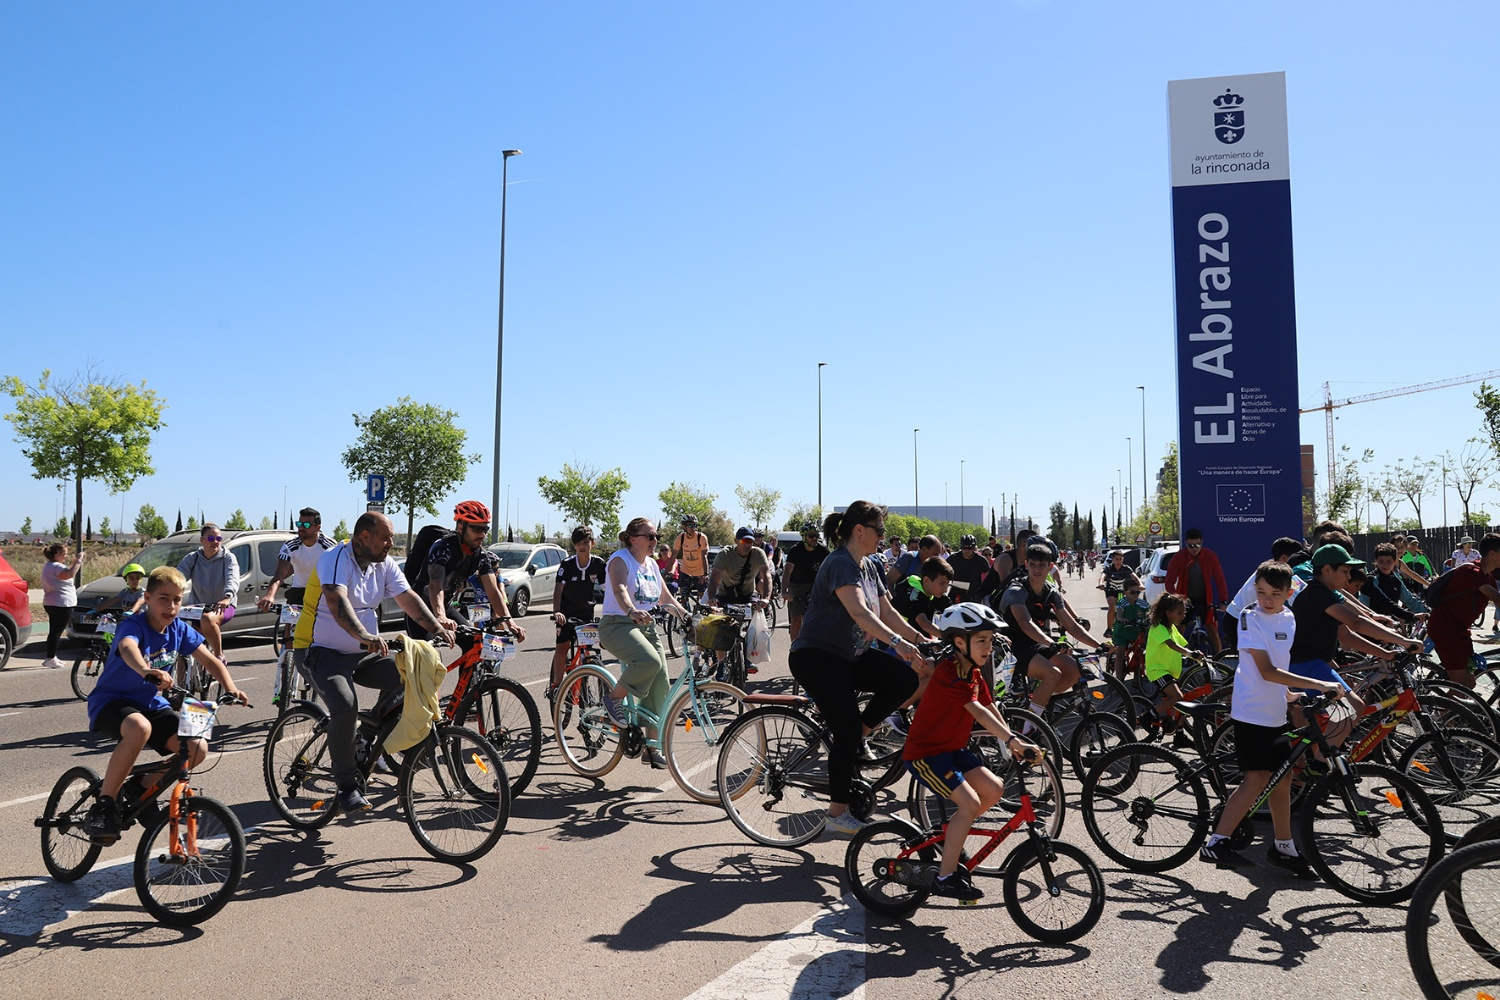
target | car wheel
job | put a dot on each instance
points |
(7, 646)
(521, 602)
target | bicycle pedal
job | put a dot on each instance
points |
(968, 902)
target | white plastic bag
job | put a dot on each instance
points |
(759, 639)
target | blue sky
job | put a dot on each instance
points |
(283, 215)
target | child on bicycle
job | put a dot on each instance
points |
(1165, 648)
(937, 751)
(127, 702)
(1131, 619)
(133, 597)
(1258, 710)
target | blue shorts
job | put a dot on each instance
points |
(944, 772)
(1319, 670)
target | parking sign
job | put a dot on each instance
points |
(375, 489)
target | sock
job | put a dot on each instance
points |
(1040, 711)
(1215, 839)
(1287, 847)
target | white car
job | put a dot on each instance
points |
(1155, 577)
(529, 573)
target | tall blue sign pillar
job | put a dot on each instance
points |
(1239, 466)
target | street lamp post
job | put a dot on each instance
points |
(1129, 463)
(1145, 490)
(916, 492)
(821, 366)
(505, 155)
(961, 489)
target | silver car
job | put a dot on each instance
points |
(529, 572)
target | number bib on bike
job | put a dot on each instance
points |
(196, 719)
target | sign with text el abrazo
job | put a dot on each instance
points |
(1236, 328)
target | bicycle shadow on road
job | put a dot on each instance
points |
(717, 882)
(581, 808)
(901, 950)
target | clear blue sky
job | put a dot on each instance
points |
(284, 214)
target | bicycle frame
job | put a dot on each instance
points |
(1024, 816)
(643, 718)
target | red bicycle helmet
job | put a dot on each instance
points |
(471, 512)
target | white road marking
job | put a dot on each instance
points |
(6, 715)
(22, 801)
(824, 956)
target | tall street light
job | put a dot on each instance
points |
(821, 366)
(1129, 463)
(505, 155)
(1145, 491)
(961, 489)
(916, 494)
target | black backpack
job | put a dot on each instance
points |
(1433, 595)
(416, 557)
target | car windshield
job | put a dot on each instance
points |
(512, 558)
(168, 552)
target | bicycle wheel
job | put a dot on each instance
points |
(1116, 697)
(186, 871)
(693, 731)
(1030, 726)
(286, 682)
(1468, 882)
(1145, 808)
(1042, 781)
(773, 776)
(867, 867)
(503, 712)
(1370, 835)
(66, 850)
(1460, 771)
(771, 613)
(1056, 898)
(1441, 713)
(588, 738)
(672, 627)
(278, 641)
(1489, 720)
(736, 669)
(298, 770)
(456, 795)
(85, 674)
(1098, 733)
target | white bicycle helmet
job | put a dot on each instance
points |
(967, 618)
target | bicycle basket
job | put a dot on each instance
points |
(715, 632)
(588, 635)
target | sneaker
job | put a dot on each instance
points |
(751, 669)
(654, 758)
(612, 709)
(845, 824)
(898, 722)
(1294, 863)
(53, 663)
(1315, 769)
(102, 824)
(1182, 740)
(1222, 855)
(381, 766)
(959, 885)
(867, 750)
(351, 801)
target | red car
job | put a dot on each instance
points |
(15, 612)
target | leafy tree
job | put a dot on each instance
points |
(1488, 401)
(192, 523)
(265, 524)
(1057, 526)
(1348, 487)
(104, 531)
(1383, 493)
(237, 521)
(717, 526)
(1104, 528)
(1413, 482)
(1479, 518)
(759, 503)
(537, 534)
(86, 428)
(26, 526)
(61, 529)
(179, 520)
(801, 513)
(1077, 537)
(149, 523)
(88, 530)
(679, 499)
(341, 531)
(1474, 467)
(587, 496)
(418, 449)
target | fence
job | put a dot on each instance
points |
(1437, 543)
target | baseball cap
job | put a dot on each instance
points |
(743, 533)
(1333, 555)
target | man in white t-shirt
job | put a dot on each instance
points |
(346, 647)
(1261, 746)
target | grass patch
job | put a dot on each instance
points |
(100, 560)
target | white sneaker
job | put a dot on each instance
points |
(845, 824)
(54, 663)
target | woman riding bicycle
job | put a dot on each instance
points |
(832, 658)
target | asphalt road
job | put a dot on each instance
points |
(618, 885)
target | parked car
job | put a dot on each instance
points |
(529, 572)
(1155, 578)
(15, 611)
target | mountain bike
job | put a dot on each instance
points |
(1053, 890)
(1454, 949)
(192, 851)
(290, 684)
(452, 786)
(86, 668)
(1095, 714)
(498, 708)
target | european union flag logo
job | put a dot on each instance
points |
(1242, 500)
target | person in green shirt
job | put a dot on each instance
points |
(1165, 648)
(1131, 615)
(1413, 558)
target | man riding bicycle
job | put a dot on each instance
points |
(452, 560)
(690, 548)
(346, 647)
(294, 564)
(741, 573)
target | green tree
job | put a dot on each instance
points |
(759, 503)
(1077, 537)
(341, 531)
(104, 526)
(418, 449)
(1474, 467)
(680, 499)
(179, 520)
(1488, 401)
(237, 521)
(192, 524)
(265, 524)
(537, 534)
(85, 428)
(1413, 482)
(1348, 487)
(88, 530)
(801, 513)
(150, 524)
(26, 526)
(61, 529)
(587, 496)
(1057, 523)
(718, 527)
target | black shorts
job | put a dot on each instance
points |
(1260, 748)
(163, 723)
(294, 595)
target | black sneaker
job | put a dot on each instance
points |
(957, 886)
(1221, 855)
(1294, 863)
(102, 824)
(654, 758)
(351, 801)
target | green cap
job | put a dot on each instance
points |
(1334, 555)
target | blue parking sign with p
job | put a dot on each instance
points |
(375, 489)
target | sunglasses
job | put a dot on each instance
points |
(1195, 545)
(483, 529)
(307, 524)
(642, 534)
(879, 529)
(213, 538)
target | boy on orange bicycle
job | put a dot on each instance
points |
(127, 702)
(937, 751)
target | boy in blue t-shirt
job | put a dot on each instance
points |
(127, 702)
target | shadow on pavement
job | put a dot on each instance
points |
(923, 954)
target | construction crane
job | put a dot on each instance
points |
(1330, 404)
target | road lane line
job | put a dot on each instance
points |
(6, 715)
(22, 801)
(824, 956)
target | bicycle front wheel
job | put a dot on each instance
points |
(588, 738)
(1145, 808)
(185, 871)
(869, 865)
(1371, 834)
(67, 851)
(1098, 733)
(1452, 948)
(298, 770)
(1460, 771)
(503, 712)
(694, 730)
(455, 794)
(286, 682)
(773, 776)
(85, 674)
(1054, 891)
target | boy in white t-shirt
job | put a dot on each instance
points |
(1261, 744)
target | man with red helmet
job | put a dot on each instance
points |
(456, 557)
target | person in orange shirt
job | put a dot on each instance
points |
(690, 547)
